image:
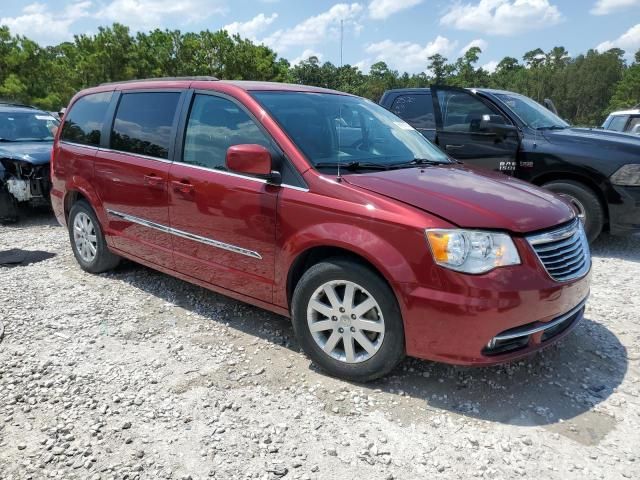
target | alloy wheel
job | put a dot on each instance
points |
(84, 236)
(345, 321)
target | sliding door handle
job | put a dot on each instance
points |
(182, 186)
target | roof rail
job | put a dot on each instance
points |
(204, 78)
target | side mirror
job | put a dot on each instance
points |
(249, 159)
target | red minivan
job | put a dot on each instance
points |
(323, 207)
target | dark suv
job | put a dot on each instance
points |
(26, 140)
(596, 170)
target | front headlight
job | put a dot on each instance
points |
(627, 175)
(472, 251)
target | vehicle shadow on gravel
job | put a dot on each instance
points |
(626, 247)
(32, 217)
(563, 382)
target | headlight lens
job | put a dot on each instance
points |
(472, 251)
(627, 175)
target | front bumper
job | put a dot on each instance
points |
(624, 216)
(462, 320)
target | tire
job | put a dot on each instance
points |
(586, 203)
(90, 248)
(379, 327)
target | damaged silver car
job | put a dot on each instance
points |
(26, 140)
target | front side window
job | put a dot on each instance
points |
(463, 112)
(83, 123)
(634, 125)
(333, 129)
(144, 123)
(531, 112)
(26, 126)
(618, 123)
(416, 110)
(214, 125)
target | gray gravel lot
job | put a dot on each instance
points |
(134, 374)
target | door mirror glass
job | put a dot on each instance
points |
(249, 159)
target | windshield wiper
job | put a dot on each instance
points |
(6, 140)
(353, 166)
(551, 127)
(417, 162)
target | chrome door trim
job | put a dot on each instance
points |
(189, 236)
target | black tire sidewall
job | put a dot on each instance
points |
(104, 259)
(392, 349)
(594, 214)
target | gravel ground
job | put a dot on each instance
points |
(134, 374)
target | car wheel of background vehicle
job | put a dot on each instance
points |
(87, 240)
(584, 201)
(347, 320)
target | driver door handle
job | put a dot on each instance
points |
(449, 146)
(153, 180)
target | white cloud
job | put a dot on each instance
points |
(478, 42)
(251, 28)
(38, 23)
(502, 17)
(605, 7)
(305, 56)
(407, 56)
(490, 66)
(381, 9)
(317, 29)
(149, 14)
(629, 41)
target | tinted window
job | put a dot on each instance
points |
(143, 123)
(214, 125)
(83, 123)
(634, 125)
(462, 112)
(618, 122)
(416, 110)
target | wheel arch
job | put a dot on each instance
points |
(547, 177)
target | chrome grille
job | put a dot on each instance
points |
(564, 252)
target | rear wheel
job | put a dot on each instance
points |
(347, 320)
(87, 241)
(584, 201)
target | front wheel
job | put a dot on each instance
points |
(347, 320)
(584, 201)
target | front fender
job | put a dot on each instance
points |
(373, 247)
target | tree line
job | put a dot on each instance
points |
(584, 88)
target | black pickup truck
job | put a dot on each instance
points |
(598, 171)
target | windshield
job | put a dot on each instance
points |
(531, 112)
(27, 126)
(332, 129)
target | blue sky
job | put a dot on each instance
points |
(401, 32)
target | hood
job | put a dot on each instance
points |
(36, 153)
(470, 197)
(598, 136)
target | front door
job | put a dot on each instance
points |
(223, 224)
(471, 129)
(131, 175)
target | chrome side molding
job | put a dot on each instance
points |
(189, 236)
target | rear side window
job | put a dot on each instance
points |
(143, 123)
(416, 110)
(214, 125)
(618, 122)
(83, 123)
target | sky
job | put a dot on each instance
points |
(403, 33)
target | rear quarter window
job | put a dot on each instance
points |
(83, 122)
